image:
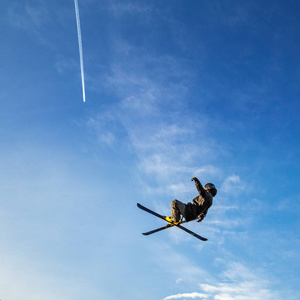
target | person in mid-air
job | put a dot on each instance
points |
(197, 209)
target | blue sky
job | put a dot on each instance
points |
(174, 89)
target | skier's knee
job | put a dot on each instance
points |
(174, 202)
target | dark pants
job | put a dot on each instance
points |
(177, 209)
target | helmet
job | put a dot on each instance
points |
(210, 187)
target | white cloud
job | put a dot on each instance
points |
(207, 170)
(181, 268)
(186, 295)
(169, 143)
(105, 126)
(179, 190)
(233, 185)
(239, 282)
(166, 146)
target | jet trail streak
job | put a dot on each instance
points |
(80, 48)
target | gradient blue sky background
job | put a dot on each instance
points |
(174, 89)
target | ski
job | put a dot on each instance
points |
(160, 229)
(169, 224)
(151, 211)
(157, 230)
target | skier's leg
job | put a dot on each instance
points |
(177, 209)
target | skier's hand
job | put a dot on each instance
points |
(201, 217)
(194, 178)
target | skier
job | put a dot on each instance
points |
(197, 209)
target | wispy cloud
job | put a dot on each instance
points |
(236, 282)
(183, 269)
(165, 149)
(233, 185)
(32, 18)
(187, 295)
(165, 138)
(241, 283)
(152, 89)
(28, 17)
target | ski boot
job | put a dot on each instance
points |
(170, 220)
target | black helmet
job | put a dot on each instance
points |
(210, 187)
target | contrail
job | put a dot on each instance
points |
(80, 48)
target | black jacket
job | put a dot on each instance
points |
(200, 204)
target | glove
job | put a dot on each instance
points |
(201, 217)
(194, 178)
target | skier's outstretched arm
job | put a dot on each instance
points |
(199, 186)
